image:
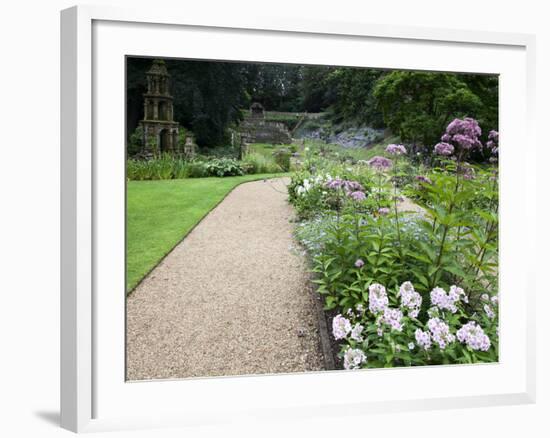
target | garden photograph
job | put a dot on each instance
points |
(287, 218)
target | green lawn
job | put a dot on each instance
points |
(160, 213)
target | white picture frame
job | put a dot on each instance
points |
(93, 396)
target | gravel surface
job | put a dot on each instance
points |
(406, 205)
(232, 298)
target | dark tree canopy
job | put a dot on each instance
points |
(419, 105)
(209, 96)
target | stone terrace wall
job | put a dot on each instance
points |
(258, 130)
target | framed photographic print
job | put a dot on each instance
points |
(256, 215)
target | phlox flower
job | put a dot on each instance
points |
(410, 299)
(444, 301)
(423, 339)
(393, 318)
(488, 311)
(378, 298)
(356, 332)
(473, 335)
(440, 332)
(353, 358)
(340, 327)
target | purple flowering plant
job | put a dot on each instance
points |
(409, 284)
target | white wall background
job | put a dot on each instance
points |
(29, 214)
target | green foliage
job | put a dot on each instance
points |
(419, 105)
(224, 167)
(354, 96)
(275, 86)
(170, 167)
(455, 242)
(182, 136)
(318, 92)
(259, 163)
(135, 145)
(282, 158)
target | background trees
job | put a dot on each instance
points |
(418, 105)
(209, 97)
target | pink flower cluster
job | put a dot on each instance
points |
(358, 196)
(380, 163)
(493, 142)
(444, 149)
(396, 149)
(423, 179)
(346, 185)
(463, 133)
(353, 189)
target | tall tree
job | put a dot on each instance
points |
(317, 93)
(419, 105)
(355, 100)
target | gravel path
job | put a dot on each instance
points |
(232, 298)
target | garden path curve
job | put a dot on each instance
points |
(232, 298)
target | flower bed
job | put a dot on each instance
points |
(405, 288)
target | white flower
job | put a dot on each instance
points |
(356, 332)
(340, 327)
(473, 335)
(411, 345)
(410, 298)
(353, 358)
(489, 311)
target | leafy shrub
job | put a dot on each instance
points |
(282, 158)
(196, 169)
(224, 167)
(259, 163)
(135, 145)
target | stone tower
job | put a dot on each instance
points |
(160, 132)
